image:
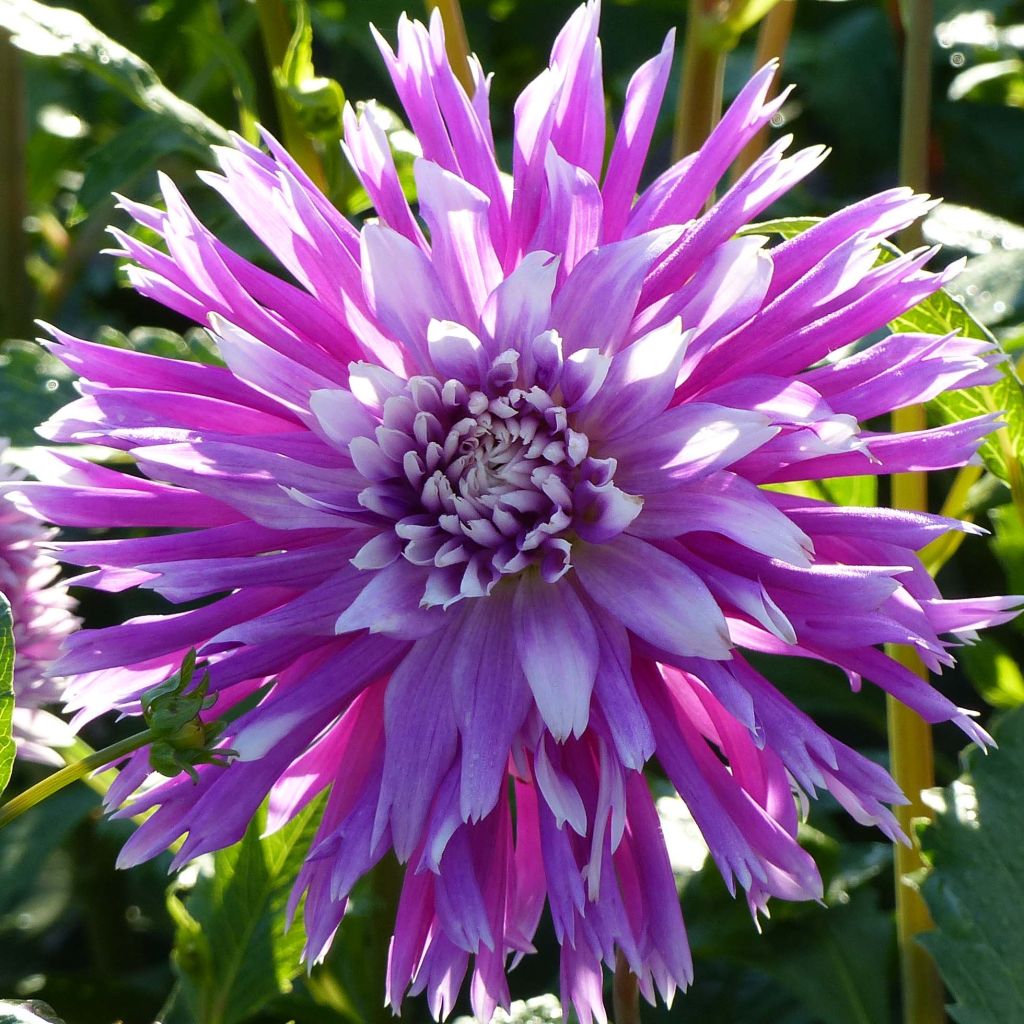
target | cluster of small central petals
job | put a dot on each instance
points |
(481, 482)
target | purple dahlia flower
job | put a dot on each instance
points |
(479, 493)
(42, 612)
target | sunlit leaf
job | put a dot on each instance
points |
(56, 32)
(539, 1010)
(787, 227)
(318, 101)
(724, 33)
(994, 671)
(1000, 81)
(975, 889)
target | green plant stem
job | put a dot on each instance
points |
(911, 753)
(79, 750)
(456, 42)
(71, 773)
(700, 85)
(772, 40)
(276, 32)
(15, 295)
(625, 993)
(911, 761)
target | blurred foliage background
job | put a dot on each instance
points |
(82, 118)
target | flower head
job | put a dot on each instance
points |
(42, 613)
(480, 492)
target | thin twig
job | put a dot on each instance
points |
(625, 993)
(18, 805)
(456, 42)
(276, 32)
(15, 296)
(700, 84)
(772, 40)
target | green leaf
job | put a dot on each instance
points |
(721, 29)
(26, 861)
(787, 227)
(1002, 450)
(128, 156)
(1008, 545)
(836, 960)
(6, 692)
(318, 102)
(225, 50)
(33, 386)
(231, 951)
(56, 32)
(975, 888)
(994, 672)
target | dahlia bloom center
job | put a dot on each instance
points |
(484, 476)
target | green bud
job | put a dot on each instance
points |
(181, 738)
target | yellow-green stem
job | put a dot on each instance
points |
(456, 42)
(625, 993)
(79, 750)
(772, 40)
(71, 773)
(700, 85)
(276, 31)
(911, 752)
(911, 760)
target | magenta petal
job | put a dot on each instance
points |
(403, 288)
(687, 443)
(625, 165)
